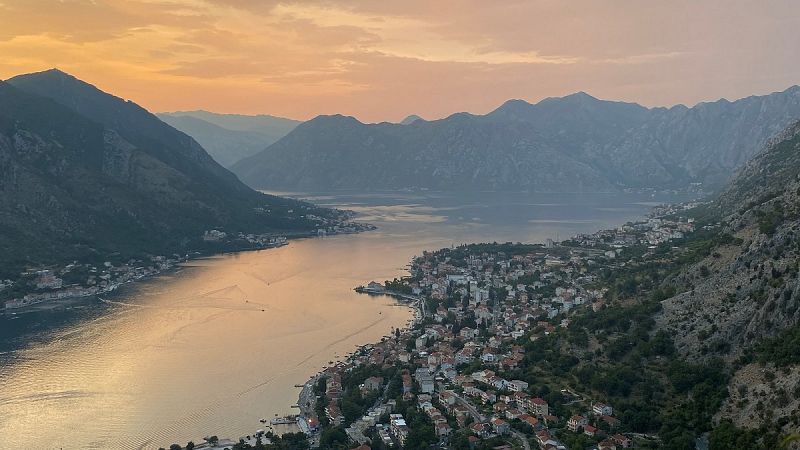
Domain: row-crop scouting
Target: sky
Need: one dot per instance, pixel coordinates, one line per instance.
(385, 59)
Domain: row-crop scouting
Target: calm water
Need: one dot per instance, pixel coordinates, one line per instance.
(221, 343)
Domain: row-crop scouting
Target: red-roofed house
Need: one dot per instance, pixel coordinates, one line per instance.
(539, 406)
(608, 444)
(480, 429)
(530, 420)
(622, 440)
(500, 426)
(575, 423)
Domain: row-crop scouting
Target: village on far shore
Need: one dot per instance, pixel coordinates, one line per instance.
(46, 286)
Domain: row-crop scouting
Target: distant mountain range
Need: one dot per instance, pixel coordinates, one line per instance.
(575, 143)
(86, 174)
(411, 119)
(230, 137)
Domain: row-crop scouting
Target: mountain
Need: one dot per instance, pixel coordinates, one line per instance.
(411, 119)
(86, 174)
(572, 143)
(271, 126)
(740, 299)
(337, 152)
(230, 137)
(749, 286)
(767, 177)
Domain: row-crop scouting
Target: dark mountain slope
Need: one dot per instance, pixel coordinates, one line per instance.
(131, 121)
(73, 187)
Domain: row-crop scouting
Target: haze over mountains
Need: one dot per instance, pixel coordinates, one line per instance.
(85, 173)
(575, 143)
(229, 138)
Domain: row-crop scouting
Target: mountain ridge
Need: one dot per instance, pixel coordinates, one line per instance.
(547, 146)
(228, 138)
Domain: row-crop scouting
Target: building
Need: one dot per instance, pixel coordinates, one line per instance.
(481, 430)
(425, 380)
(539, 406)
(399, 427)
(214, 235)
(45, 279)
(622, 440)
(372, 383)
(531, 421)
(601, 409)
(334, 414)
(576, 423)
(443, 430)
(517, 385)
(500, 426)
(607, 444)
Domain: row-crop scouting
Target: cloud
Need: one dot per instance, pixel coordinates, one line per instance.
(385, 59)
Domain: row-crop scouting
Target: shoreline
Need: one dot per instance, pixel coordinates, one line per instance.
(306, 402)
(98, 302)
(173, 266)
(306, 397)
(360, 348)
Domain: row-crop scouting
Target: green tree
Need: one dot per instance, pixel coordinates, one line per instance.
(333, 438)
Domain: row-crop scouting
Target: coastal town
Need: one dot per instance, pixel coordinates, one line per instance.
(47, 286)
(77, 280)
(459, 375)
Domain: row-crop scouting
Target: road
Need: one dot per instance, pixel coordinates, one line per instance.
(523, 438)
(307, 401)
(473, 411)
(478, 417)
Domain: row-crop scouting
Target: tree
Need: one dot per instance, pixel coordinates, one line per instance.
(190, 445)
(790, 439)
(333, 438)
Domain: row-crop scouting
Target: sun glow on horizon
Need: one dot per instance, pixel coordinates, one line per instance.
(385, 60)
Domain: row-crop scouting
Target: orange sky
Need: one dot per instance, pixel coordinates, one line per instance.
(384, 59)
